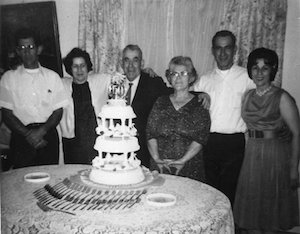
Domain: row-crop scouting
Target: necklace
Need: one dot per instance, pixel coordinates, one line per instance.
(262, 93)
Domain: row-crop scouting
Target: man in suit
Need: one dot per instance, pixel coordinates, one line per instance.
(144, 92)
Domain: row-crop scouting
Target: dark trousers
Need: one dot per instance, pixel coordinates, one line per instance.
(223, 157)
(76, 152)
(24, 155)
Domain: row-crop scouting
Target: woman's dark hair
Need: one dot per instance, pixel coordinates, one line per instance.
(184, 61)
(269, 56)
(77, 53)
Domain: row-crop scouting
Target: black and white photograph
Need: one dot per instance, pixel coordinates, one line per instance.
(150, 116)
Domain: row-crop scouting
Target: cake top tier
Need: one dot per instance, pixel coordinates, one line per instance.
(116, 88)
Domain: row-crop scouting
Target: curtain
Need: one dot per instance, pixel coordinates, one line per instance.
(101, 29)
(257, 23)
(162, 28)
(167, 28)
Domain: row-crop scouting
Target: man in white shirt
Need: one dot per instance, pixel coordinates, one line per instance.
(32, 98)
(226, 84)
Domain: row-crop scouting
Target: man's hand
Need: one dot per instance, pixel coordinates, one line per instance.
(285, 134)
(204, 98)
(35, 138)
(150, 71)
(294, 175)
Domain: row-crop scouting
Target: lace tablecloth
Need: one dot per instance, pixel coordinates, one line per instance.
(199, 208)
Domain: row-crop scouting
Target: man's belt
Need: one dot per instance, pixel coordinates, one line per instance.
(262, 134)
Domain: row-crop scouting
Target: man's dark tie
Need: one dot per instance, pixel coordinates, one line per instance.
(128, 94)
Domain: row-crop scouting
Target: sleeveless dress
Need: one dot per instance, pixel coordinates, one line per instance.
(81, 148)
(175, 130)
(264, 198)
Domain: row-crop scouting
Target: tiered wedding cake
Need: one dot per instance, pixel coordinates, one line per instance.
(116, 163)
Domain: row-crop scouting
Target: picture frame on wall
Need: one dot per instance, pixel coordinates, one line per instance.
(41, 17)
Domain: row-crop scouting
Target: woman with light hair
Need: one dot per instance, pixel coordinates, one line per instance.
(178, 125)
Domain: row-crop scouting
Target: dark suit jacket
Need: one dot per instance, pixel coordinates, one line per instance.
(148, 90)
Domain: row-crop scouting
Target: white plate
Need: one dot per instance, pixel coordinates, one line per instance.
(37, 177)
(161, 199)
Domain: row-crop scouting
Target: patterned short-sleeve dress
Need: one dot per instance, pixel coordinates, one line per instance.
(175, 130)
(264, 198)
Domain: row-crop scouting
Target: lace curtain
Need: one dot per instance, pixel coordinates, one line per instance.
(166, 28)
(101, 29)
(162, 28)
(257, 23)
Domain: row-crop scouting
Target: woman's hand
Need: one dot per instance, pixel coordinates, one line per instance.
(178, 164)
(162, 164)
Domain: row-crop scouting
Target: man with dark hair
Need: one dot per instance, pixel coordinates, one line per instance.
(225, 84)
(32, 98)
(144, 90)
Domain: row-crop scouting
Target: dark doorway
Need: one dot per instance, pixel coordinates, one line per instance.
(41, 16)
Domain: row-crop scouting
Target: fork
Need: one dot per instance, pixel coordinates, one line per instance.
(137, 199)
(46, 208)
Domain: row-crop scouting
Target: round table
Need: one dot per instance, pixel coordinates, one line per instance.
(199, 208)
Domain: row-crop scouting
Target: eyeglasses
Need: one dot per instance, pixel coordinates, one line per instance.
(173, 74)
(24, 47)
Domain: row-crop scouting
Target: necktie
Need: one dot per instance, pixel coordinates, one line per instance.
(128, 94)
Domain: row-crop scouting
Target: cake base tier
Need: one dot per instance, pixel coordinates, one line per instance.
(118, 177)
(151, 179)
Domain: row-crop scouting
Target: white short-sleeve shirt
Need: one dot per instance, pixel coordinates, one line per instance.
(226, 89)
(32, 95)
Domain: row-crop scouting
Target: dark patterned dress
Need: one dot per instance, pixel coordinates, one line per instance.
(175, 130)
(81, 148)
(264, 198)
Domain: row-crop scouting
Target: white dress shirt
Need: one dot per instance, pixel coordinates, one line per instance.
(226, 89)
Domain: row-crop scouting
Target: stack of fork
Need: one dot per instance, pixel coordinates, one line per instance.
(69, 197)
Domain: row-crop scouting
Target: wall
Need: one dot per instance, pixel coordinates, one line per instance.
(291, 62)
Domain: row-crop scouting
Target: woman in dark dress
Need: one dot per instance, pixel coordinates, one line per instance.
(178, 125)
(266, 200)
(88, 93)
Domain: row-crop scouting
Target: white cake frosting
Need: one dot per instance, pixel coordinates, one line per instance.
(116, 163)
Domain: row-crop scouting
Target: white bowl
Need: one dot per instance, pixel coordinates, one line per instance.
(161, 199)
(37, 177)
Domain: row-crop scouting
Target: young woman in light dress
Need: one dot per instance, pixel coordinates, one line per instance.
(266, 199)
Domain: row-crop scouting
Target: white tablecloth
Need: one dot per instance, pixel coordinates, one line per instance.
(199, 208)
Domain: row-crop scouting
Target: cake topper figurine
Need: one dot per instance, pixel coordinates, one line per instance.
(116, 88)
